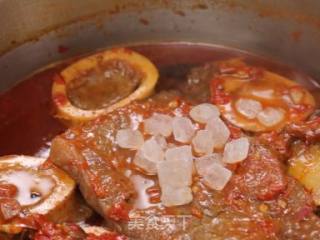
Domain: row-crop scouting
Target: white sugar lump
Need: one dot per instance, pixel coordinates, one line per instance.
(181, 153)
(183, 129)
(248, 107)
(171, 196)
(142, 162)
(149, 155)
(236, 150)
(161, 141)
(217, 176)
(220, 132)
(203, 112)
(271, 116)
(152, 150)
(175, 173)
(128, 138)
(203, 163)
(158, 124)
(203, 142)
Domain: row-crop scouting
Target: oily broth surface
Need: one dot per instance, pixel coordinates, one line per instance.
(27, 118)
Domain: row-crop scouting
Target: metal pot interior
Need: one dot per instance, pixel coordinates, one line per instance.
(37, 33)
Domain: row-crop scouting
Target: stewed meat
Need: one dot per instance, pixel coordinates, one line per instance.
(259, 201)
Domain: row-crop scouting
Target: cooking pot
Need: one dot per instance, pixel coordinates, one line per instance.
(35, 33)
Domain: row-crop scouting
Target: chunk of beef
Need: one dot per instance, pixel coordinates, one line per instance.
(103, 187)
(103, 171)
(260, 177)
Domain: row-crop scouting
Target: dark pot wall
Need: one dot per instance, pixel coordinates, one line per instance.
(35, 33)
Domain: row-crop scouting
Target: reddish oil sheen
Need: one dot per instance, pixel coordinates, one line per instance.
(26, 117)
(27, 122)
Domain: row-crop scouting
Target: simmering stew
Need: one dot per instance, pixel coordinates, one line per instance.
(161, 141)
